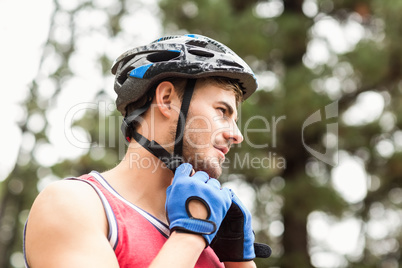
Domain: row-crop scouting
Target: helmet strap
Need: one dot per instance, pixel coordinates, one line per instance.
(126, 126)
(172, 161)
(185, 105)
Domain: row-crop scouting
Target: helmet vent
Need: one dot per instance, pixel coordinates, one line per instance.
(163, 56)
(197, 43)
(215, 46)
(166, 38)
(202, 53)
(230, 63)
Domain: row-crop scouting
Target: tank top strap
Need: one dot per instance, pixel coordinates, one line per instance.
(110, 216)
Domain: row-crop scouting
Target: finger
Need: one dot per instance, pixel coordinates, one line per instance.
(184, 169)
(228, 192)
(201, 175)
(168, 190)
(232, 194)
(214, 182)
(236, 199)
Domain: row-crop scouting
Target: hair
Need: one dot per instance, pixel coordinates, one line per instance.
(224, 83)
(179, 84)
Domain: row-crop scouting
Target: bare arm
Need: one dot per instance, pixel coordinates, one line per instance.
(247, 264)
(180, 250)
(67, 227)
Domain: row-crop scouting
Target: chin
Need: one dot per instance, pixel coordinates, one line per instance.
(202, 161)
(214, 170)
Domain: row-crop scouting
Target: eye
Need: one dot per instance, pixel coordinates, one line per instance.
(223, 110)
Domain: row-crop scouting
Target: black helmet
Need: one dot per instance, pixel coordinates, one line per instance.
(187, 56)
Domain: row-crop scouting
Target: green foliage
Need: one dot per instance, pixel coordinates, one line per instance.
(288, 183)
(363, 57)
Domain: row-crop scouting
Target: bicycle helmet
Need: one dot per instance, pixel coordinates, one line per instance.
(187, 56)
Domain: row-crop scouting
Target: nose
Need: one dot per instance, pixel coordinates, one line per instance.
(233, 135)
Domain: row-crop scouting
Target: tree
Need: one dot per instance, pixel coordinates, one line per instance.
(309, 56)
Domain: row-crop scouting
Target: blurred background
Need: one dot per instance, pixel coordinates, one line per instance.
(323, 129)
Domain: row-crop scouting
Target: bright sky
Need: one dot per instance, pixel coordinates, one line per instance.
(23, 30)
(23, 27)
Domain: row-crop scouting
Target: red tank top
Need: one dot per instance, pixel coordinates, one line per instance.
(135, 235)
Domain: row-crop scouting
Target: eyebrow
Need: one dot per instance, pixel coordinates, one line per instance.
(229, 108)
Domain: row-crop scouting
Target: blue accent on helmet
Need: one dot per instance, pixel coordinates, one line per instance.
(175, 50)
(192, 35)
(140, 71)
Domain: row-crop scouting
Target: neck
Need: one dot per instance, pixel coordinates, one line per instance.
(142, 179)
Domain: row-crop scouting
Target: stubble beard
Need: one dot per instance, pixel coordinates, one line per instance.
(197, 156)
(200, 161)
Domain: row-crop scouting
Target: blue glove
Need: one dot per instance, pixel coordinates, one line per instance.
(235, 238)
(199, 187)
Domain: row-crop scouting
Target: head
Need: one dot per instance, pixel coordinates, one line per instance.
(189, 63)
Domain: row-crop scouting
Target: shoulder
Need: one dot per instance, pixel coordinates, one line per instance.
(65, 197)
(60, 210)
(63, 213)
(67, 201)
(68, 225)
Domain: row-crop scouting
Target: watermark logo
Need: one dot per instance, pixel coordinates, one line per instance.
(330, 156)
(256, 126)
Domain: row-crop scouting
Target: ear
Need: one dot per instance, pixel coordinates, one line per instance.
(166, 98)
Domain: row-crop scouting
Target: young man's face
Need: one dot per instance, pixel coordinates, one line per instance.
(211, 128)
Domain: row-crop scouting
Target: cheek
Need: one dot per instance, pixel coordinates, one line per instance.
(198, 128)
(197, 137)
(200, 122)
(220, 126)
(197, 140)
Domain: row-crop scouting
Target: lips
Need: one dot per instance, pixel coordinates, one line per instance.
(223, 149)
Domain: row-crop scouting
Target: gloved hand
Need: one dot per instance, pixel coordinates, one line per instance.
(199, 187)
(235, 238)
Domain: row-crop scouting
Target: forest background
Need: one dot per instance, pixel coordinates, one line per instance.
(319, 166)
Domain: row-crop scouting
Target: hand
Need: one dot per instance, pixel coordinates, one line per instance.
(234, 241)
(200, 187)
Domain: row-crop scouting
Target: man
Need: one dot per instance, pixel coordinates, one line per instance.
(160, 206)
